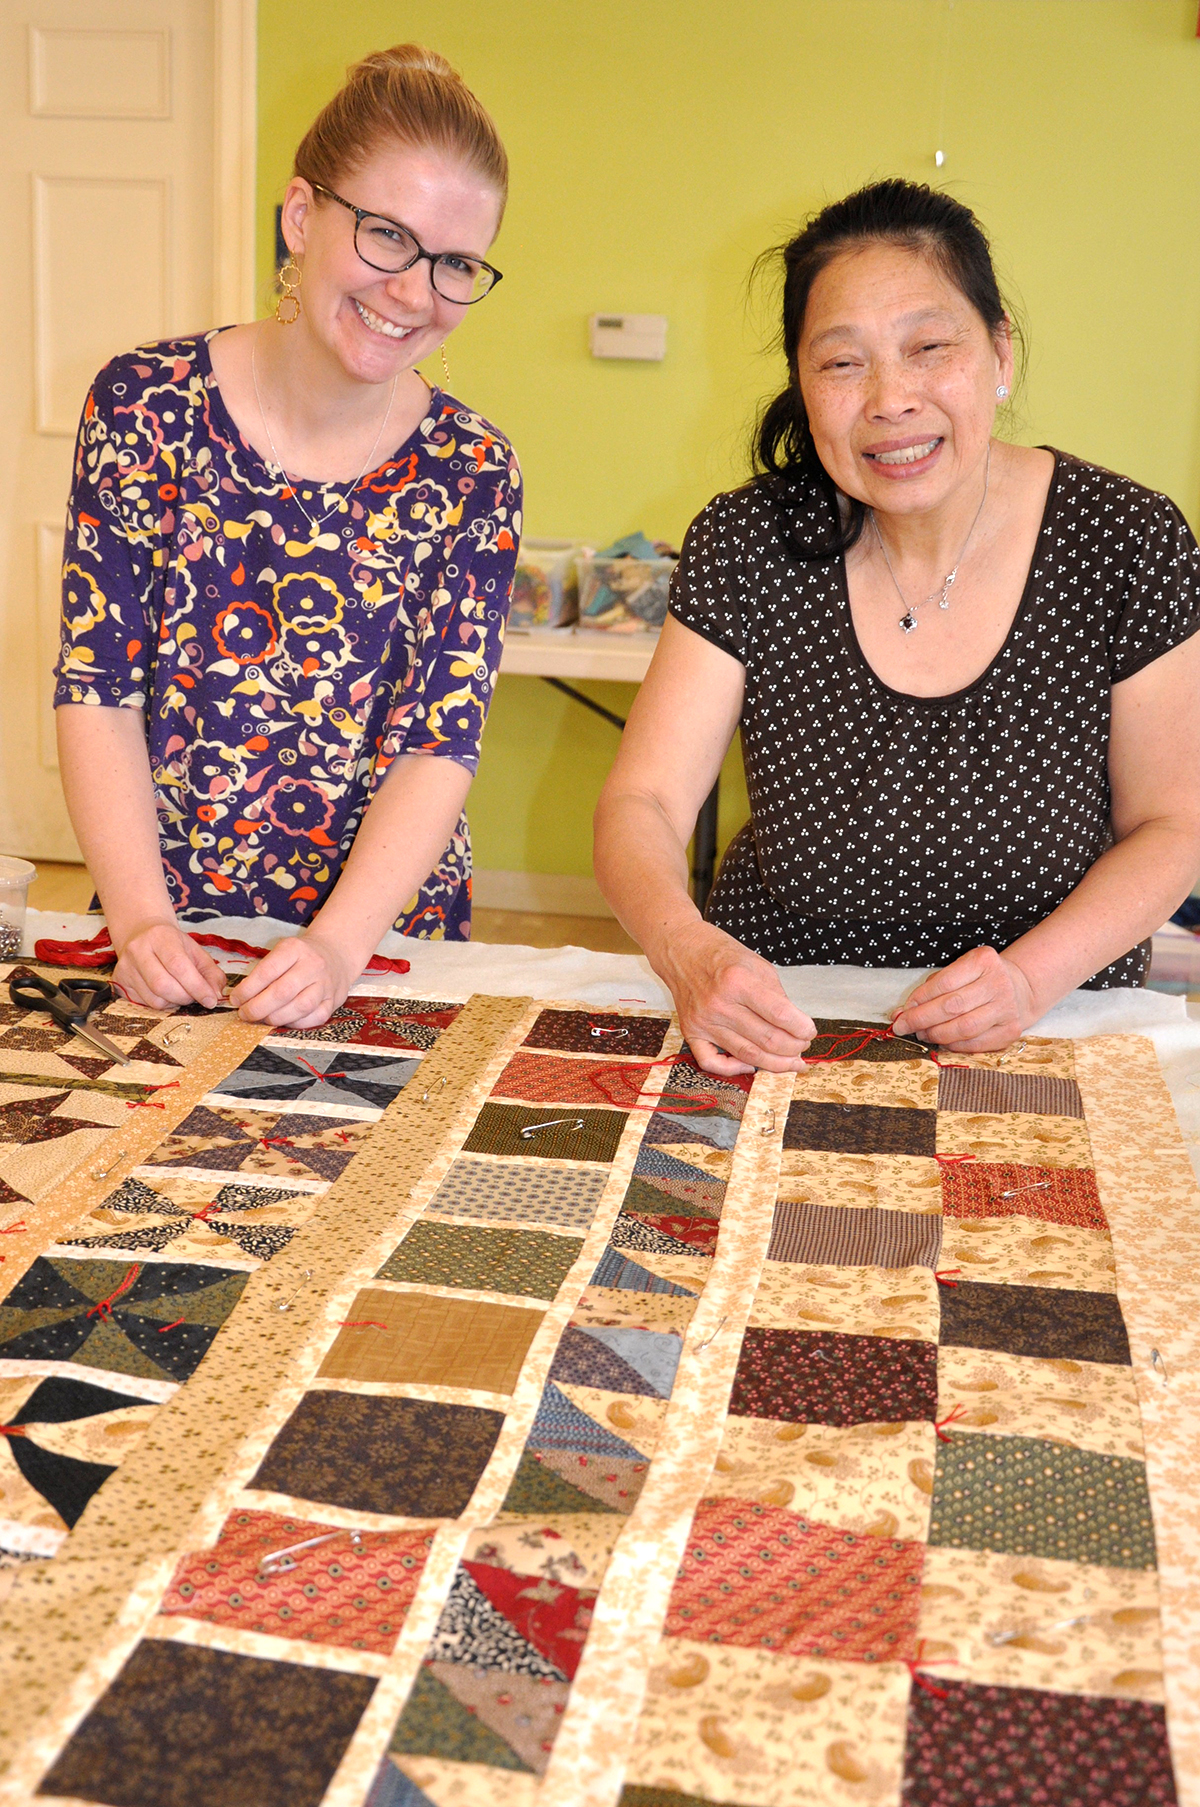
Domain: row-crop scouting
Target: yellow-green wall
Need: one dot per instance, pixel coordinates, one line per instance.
(656, 149)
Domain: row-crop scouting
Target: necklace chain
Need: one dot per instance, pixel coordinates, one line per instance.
(908, 621)
(318, 521)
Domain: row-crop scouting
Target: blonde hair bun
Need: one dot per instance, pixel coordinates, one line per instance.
(406, 95)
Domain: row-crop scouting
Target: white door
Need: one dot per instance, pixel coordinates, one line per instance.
(119, 149)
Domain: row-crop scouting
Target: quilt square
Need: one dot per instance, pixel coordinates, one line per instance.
(1093, 1405)
(1065, 1195)
(348, 1589)
(997, 1094)
(545, 1079)
(618, 1359)
(323, 1075)
(64, 1437)
(382, 1023)
(552, 1482)
(194, 1217)
(1034, 1320)
(1022, 1251)
(766, 1579)
(410, 1458)
(489, 1718)
(882, 1302)
(183, 1724)
(496, 1191)
(1030, 1497)
(842, 1036)
(576, 1134)
(533, 1263)
(833, 1236)
(664, 1182)
(1018, 1136)
(873, 1479)
(220, 1140)
(823, 1377)
(429, 1341)
(911, 1084)
(860, 1129)
(493, 1619)
(598, 1032)
(615, 1269)
(972, 1746)
(895, 1182)
(155, 1320)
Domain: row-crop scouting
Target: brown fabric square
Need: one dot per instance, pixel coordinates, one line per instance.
(182, 1725)
(544, 1079)
(861, 1236)
(841, 1036)
(408, 1457)
(860, 1129)
(983, 1089)
(531, 1262)
(582, 1135)
(826, 1377)
(432, 1342)
(1035, 1320)
(598, 1032)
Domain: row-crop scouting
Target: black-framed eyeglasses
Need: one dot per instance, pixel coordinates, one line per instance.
(388, 246)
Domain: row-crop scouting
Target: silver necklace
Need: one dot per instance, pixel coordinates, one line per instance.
(318, 521)
(908, 621)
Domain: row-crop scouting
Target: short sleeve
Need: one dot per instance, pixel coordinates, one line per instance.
(445, 700)
(1160, 606)
(106, 631)
(701, 593)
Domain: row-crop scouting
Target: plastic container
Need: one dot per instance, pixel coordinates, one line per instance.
(15, 879)
(624, 595)
(545, 592)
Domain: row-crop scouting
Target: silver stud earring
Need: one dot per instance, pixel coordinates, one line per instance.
(1001, 391)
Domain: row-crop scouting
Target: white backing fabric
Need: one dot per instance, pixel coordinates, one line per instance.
(453, 970)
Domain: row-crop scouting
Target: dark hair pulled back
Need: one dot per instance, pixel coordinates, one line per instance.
(907, 214)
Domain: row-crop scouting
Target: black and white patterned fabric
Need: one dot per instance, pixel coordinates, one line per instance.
(894, 830)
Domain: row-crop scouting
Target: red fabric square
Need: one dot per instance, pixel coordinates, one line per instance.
(764, 1579)
(1065, 1195)
(351, 1596)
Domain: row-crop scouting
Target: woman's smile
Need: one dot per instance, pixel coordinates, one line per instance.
(376, 323)
(904, 458)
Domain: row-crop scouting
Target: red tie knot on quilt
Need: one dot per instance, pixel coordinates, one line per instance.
(206, 1211)
(862, 1038)
(316, 1072)
(144, 1104)
(947, 1162)
(945, 1275)
(682, 1104)
(15, 1229)
(99, 951)
(913, 1665)
(952, 1417)
(104, 1309)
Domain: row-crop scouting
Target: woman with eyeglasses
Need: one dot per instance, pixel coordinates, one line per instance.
(287, 572)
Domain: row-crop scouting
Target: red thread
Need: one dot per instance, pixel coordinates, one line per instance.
(165, 1086)
(316, 1073)
(277, 1142)
(867, 1034)
(143, 1104)
(361, 1324)
(13, 1430)
(960, 1411)
(942, 1275)
(682, 1104)
(948, 1161)
(912, 1664)
(204, 1215)
(175, 1326)
(15, 1229)
(99, 951)
(105, 1306)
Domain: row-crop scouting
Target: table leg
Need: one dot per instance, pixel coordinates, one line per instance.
(704, 848)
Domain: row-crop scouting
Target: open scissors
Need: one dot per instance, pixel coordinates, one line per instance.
(70, 1004)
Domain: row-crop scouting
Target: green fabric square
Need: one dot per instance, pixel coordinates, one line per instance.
(1025, 1497)
(532, 1263)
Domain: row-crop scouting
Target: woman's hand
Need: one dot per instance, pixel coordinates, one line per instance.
(733, 1011)
(300, 983)
(980, 1002)
(159, 965)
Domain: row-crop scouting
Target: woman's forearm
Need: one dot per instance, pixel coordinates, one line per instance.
(406, 827)
(1129, 892)
(110, 797)
(641, 866)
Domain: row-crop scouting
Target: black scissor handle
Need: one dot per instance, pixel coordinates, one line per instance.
(89, 994)
(67, 1004)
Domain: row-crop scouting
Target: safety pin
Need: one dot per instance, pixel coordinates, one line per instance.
(102, 1173)
(425, 1094)
(599, 1033)
(1020, 1047)
(1033, 1186)
(531, 1129)
(279, 1562)
(996, 1638)
(712, 1333)
(177, 1035)
(769, 1128)
(288, 1303)
(1156, 1361)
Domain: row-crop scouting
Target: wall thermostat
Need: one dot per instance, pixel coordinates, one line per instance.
(629, 335)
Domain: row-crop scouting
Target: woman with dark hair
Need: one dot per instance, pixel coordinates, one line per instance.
(965, 673)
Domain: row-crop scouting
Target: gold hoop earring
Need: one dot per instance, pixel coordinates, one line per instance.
(289, 297)
(445, 365)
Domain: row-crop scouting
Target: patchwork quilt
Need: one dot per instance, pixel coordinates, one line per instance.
(463, 1405)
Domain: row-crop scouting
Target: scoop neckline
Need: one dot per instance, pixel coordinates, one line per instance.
(1023, 608)
(213, 389)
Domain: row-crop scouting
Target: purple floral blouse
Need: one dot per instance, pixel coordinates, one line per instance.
(281, 671)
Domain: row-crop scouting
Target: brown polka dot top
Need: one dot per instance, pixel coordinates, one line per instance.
(897, 830)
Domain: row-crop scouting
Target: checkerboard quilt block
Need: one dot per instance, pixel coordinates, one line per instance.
(543, 1420)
